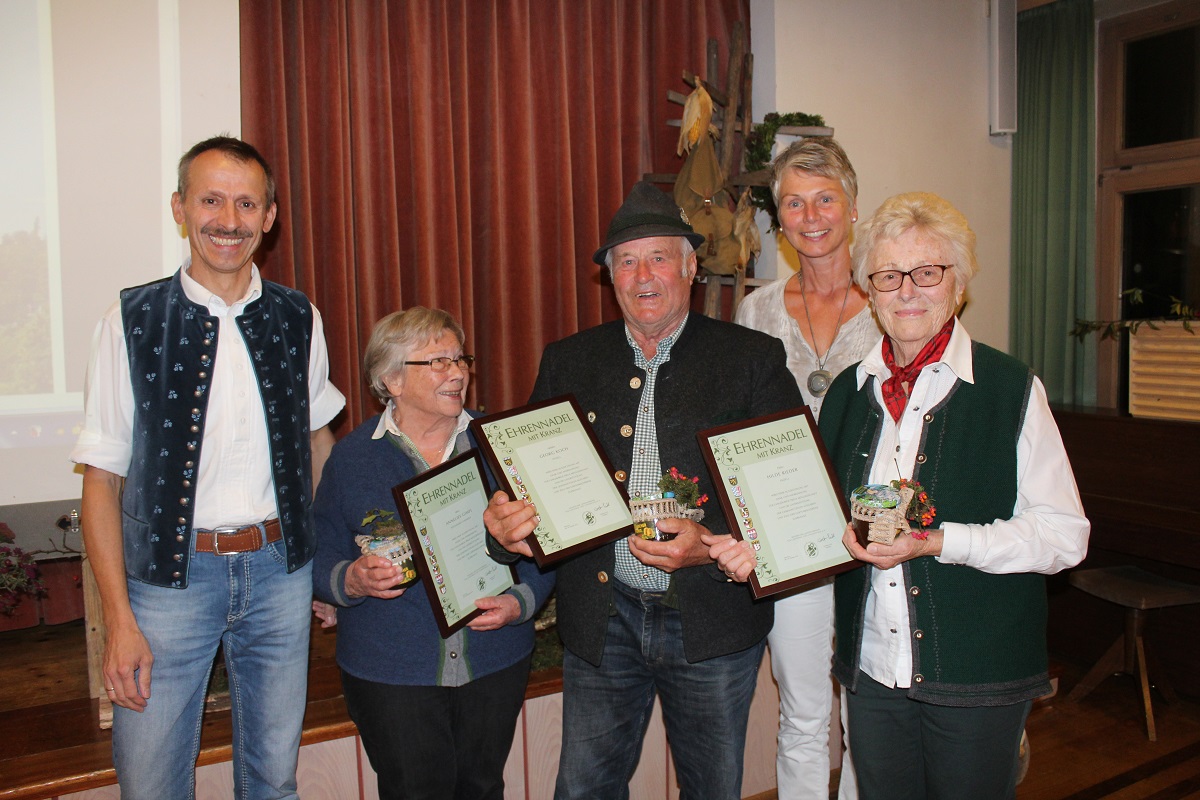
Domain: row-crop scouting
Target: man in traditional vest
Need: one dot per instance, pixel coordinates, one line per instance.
(641, 619)
(206, 425)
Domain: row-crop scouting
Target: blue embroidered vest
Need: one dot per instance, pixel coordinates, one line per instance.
(172, 346)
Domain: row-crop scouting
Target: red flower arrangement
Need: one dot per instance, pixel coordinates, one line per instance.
(685, 489)
(921, 509)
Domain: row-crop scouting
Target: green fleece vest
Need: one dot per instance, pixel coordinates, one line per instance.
(977, 639)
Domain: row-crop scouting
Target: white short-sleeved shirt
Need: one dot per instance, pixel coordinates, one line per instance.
(233, 484)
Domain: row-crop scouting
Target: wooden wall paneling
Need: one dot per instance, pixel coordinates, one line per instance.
(329, 770)
(541, 731)
(214, 781)
(1128, 471)
(26, 614)
(758, 772)
(514, 768)
(655, 774)
(339, 769)
(835, 729)
(103, 793)
(63, 600)
(368, 779)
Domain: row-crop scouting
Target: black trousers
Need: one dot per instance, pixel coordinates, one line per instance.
(904, 749)
(438, 742)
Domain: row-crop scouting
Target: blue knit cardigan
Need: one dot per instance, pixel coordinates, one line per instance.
(397, 641)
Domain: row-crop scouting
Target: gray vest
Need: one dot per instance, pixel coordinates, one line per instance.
(172, 346)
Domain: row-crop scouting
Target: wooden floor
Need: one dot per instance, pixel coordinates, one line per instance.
(1097, 748)
(42, 665)
(1079, 751)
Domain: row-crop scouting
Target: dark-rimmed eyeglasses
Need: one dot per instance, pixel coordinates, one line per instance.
(925, 276)
(443, 363)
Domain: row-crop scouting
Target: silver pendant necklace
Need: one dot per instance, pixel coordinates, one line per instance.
(820, 378)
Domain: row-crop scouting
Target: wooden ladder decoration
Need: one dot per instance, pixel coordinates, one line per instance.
(733, 114)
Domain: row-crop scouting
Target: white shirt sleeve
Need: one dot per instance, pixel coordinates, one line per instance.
(106, 440)
(324, 399)
(1048, 531)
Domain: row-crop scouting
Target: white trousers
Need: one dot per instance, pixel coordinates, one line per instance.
(801, 645)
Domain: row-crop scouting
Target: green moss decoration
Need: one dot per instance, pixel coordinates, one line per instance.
(758, 151)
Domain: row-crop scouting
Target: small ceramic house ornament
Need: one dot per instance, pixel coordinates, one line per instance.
(680, 499)
(879, 512)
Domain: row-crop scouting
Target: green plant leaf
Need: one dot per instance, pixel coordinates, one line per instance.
(758, 146)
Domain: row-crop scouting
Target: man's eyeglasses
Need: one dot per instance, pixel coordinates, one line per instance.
(889, 280)
(442, 364)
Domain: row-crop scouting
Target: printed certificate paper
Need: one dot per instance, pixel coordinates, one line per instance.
(548, 455)
(443, 512)
(779, 492)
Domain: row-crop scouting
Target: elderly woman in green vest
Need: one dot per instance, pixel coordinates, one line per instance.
(941, 638)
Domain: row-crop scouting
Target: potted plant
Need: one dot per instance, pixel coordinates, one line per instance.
(387, 538)
(1163, 352)
(883, 511)
(760, 145)
(1181, 315)
(679, 497)
(20, 583)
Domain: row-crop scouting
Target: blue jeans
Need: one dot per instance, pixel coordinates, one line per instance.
(606, 709)
(261, 614)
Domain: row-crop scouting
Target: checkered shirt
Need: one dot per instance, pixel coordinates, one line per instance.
(645, 469)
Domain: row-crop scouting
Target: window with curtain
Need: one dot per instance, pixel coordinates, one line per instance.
(464, 155)
(1149, 165)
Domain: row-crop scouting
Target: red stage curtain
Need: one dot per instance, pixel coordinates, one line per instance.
(462, 154)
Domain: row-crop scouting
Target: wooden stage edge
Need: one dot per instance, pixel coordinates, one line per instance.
(58, 748)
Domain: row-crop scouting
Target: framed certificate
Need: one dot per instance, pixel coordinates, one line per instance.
(443, 514)
(547, 454)
(778, 491)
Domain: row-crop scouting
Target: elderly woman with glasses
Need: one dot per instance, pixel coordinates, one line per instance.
(941, 638)
(436, 715)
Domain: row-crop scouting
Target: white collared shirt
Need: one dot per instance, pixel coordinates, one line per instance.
(387, 424)
(1047, 532)
(233, 483)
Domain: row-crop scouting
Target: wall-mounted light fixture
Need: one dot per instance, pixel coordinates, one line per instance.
(1002, 67)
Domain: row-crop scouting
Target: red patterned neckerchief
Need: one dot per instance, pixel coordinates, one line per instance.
(894, 394)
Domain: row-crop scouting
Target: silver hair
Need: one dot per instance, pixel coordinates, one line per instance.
(685, 250)
(395, 336)
(924, 212)
(816, 155)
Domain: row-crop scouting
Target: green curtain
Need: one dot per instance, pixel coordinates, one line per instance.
(1054, 198)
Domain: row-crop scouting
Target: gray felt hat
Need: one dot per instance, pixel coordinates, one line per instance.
(646, 212)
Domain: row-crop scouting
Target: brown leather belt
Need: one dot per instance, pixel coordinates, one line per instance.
(246, 539)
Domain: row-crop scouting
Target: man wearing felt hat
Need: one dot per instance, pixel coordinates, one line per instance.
(644, 618)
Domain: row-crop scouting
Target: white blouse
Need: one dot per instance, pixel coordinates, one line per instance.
(1047, 532)
(764, 310)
